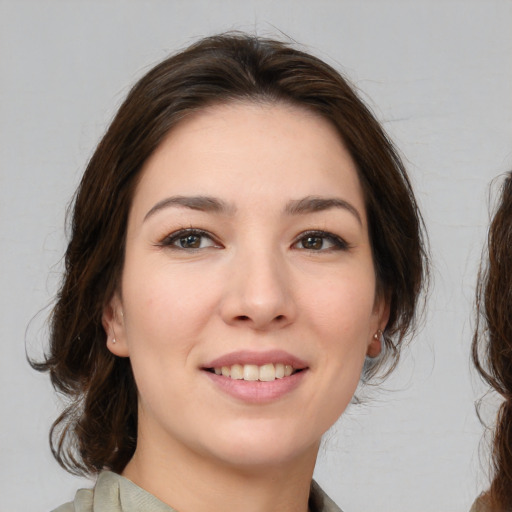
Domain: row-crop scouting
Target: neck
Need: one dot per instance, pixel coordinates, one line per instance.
(191, 482)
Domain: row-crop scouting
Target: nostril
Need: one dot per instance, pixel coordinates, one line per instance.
(261, 321)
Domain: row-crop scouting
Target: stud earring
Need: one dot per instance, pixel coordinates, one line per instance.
(375, 347)
(113, 340)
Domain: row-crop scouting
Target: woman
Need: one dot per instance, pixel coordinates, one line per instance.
(492, 347)
(244, 240)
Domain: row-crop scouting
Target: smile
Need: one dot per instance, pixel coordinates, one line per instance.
(252, 372)
(257, 377)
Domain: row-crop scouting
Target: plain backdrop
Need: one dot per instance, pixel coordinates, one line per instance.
(438, 74)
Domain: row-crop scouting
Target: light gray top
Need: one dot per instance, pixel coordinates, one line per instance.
(114, 493)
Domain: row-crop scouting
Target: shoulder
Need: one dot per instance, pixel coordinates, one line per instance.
(319, 501)
(114, 493)
(104, 494)
(83, 502)
(67, 507)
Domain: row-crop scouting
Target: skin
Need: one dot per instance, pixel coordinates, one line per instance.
(258, 280)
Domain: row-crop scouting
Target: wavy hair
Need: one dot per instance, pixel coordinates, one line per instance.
(492, 342)
(98, 428)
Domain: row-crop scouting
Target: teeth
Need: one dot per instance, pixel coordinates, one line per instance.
(237, 372)
(252, 372)
(267, 372)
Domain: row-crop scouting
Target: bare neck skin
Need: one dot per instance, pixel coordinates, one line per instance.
(191, 482)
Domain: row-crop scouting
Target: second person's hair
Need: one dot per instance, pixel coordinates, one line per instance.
(492, 342)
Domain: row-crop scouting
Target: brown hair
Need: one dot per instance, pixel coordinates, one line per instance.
(492, 342)
(98, 429)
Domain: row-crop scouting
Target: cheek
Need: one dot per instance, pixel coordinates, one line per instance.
(343, 322)
(342, 305)
(163, 302)
(164, 313)
(341, 315)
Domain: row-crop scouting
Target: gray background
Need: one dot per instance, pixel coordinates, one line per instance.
(438, 74)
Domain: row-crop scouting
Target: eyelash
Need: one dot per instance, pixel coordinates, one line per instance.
(338, 244)
(171, 240)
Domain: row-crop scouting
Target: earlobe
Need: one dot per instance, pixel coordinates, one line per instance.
(381, 312)
(113, 323)
(375, 346)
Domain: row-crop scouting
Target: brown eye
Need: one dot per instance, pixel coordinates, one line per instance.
(189, 239)
(320, 241)
(189, 242)
(314, 243)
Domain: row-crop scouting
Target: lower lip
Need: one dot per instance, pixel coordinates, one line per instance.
(257, 392)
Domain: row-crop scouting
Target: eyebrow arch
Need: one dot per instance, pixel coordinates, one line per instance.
(201, 203)
(312, 204)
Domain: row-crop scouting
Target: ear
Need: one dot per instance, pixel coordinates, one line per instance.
(113, 323)
(380, 317)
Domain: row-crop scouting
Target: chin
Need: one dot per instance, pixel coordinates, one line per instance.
(262, 446)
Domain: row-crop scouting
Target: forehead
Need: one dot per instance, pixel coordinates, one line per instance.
(249, 151)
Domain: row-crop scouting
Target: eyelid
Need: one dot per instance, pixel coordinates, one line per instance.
(339, 244)
(168, 240)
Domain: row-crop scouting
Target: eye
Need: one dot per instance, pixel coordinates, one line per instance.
(320, 241)
(189, 239)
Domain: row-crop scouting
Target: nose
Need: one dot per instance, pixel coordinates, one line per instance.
(259, 292)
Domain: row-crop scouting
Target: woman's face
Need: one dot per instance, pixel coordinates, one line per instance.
(247, 258)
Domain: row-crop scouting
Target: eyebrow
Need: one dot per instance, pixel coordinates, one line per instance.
(313, 204)
(309, 204)
(200, 203)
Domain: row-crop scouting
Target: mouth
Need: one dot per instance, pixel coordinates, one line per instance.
(267, 372)
(257, 377)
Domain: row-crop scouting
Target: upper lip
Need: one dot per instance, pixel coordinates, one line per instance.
(258, 358)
